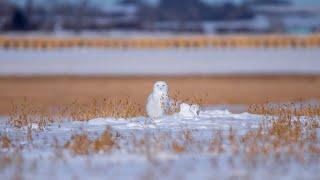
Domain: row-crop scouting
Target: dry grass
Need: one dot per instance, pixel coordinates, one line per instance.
(176, 99)
(198, 41)
(216, 144)
(105, 107)
(285, 136)
(293, 109)
(5, 142)
(177, 148)
(49, 105)
(49, 92)
(105, 142)
(28, 115)
(80, 144)
(290, 133)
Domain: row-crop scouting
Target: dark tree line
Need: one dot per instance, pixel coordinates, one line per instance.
(167, 10)
(194, 10)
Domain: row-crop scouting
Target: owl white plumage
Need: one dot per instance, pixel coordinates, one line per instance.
(158, 101)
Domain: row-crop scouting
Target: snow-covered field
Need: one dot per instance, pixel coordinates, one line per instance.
(43, 158)
(216, 144)
(159, 61)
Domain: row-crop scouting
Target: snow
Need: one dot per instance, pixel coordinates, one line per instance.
(40, 159)
(185, 110)
(159, 61)
(212, 119)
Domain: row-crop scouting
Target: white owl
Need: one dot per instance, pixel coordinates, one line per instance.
(158, 101)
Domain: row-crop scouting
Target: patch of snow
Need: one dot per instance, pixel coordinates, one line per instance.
(125, 164)
(191, 111)
(159, 61)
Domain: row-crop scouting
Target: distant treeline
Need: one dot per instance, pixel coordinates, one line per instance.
(83, 15)
(194, 10)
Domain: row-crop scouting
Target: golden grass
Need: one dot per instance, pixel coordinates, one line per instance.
(105, 107)
(5, 142)
(289, 131)
(216, 145)
(296, 109)
(177, 148)
(235, 41)
(27, 115)
(51, 92)
(105, 142)
(289, 134)
(80, 144)
(284, 136)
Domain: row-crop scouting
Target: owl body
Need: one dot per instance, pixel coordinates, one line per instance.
(158, 100)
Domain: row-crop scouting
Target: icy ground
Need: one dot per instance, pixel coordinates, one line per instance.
(208, 61)
(42, 161)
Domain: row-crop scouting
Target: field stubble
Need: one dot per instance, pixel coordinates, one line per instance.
(48, 92)
(288, 132)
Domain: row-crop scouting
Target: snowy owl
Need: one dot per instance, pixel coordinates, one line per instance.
(158, 100)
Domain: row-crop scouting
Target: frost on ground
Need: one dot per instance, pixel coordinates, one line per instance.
(204, 61)
(172, 147)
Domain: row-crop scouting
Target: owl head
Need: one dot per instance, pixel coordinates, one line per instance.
(160, 87)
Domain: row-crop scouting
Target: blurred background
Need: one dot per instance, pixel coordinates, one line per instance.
(228, 52)
(175, 16)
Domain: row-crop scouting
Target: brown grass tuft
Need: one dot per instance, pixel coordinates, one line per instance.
(288, 109)
(290, 133)
(178, 99)
(5, 142)
(177, 148)
(27, 114)
(105, 142)
(79, 144)
(216, 144)
(113, 107)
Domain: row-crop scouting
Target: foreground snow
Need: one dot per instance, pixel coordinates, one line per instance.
(42, 161)
(207, 120)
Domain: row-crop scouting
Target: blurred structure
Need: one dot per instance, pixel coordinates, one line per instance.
(247, 16)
